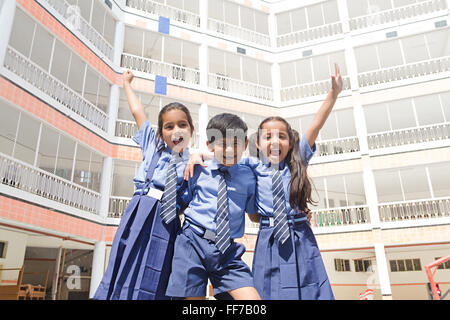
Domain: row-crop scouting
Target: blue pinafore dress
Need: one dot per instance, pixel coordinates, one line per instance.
(141, 254)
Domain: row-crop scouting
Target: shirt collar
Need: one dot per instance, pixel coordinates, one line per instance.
(216, 165)
(266, 162)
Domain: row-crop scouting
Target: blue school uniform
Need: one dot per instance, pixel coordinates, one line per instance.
(141, 254)
(293, 270)
(196, 257)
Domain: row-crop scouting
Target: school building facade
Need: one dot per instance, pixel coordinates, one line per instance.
(382, 165)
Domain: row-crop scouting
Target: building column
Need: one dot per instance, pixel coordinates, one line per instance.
(7, 13)
(370, 190)
(276, 83)
(118, 43)
(273, 32)
(383, 271)
(113, 109)
(98, 261)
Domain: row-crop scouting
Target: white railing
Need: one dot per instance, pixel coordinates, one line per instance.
(340, 216)
(117, 206)
(415, 209)
(125, 129)
(396, 14)
(20, 175)
(155, 67)
(407, 71)
(238, 32)
(165, 11)
(323, 31)
(400, 137)
(310, 89)
(337, 146)
(48, 84)
(240, 87)
(74, 21)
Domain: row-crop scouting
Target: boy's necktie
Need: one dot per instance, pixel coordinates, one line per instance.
(222, 223)
(281, 228)
(169, 201)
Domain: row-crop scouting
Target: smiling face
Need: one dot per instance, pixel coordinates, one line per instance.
(228, 151)
(274, 141)
(176, 131)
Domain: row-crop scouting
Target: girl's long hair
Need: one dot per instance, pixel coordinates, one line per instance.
(171, 106)
(300, 184)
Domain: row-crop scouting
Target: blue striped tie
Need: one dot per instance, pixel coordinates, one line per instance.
(281, 228)
(169, 200)
(222, 223)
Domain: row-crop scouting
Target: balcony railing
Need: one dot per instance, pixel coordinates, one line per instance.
(323, 31)
(337, 146)
(340, 216)
(45, 82)
(73, 19)
(127, 129)
(396, 14)
(310, 89)
(407, 71)
(117, 205)
(415, 209)
(238, 32)
(159, 9)
(409, 136)
(20, 175)
(155, 67)
(240, 87)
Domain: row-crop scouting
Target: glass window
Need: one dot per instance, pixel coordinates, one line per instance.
(261, 22)
(151, 107)
(402, 3)
(304, 71)
(82, 174)
(417, 266)
(366, 58)
(247, 18)
(265, 74)
(445, 101)
(318, 193)
(152, 46)
(415, 183)
(440, 177)
(298, 19)
(27, 136)
(335, 189)
(233, 65)
(377, 118)
(110, 29)
(249, 70)
(428, 109)
(216, 62)
(124, 112)
(98, 17)
(103, 94)
(284, 23)
(122, 181)
(388, 186)
(91, 86)
(390, 54)
(215, 10)
(22, 32)
(321, 68)
(393, 264)
(190, 55)
(60, 65)
(48, 146)
(172, 50)
(85, 9)
(192, 6)
(76, 74)
(8, 127)
(330, 11)
(231, 12)
(133, 41)
(329, 129)
(415, 48)
(315, 16)
(355, 189)
(65, 157)
(402, 114)
(42, 48)
(287, 74)
(357, 8)
(346, 123)
(96, 166)
(438, 43)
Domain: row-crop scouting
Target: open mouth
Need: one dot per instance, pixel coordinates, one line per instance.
(177, 141)
(275, 153)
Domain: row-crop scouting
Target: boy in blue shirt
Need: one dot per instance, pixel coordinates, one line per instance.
(218, 194)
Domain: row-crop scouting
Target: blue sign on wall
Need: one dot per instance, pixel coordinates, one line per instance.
(161, 85)
(164, 25)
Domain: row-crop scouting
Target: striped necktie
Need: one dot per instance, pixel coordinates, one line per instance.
(222, 223)
(169, 200)
(281, 228)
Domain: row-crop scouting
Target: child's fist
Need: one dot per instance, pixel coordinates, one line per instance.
(127, 77)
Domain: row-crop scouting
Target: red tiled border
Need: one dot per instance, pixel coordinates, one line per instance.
(20, 211)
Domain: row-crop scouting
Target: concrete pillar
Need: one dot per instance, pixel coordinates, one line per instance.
(118, 43)
(202, 123)
(98, 266)
(276, 83)
(272, 23)
(113, 109)
(7, 13)
(383, 271)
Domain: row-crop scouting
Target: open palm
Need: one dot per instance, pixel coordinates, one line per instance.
(336, 80)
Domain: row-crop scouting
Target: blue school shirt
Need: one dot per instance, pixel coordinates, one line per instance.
(202, 190)
(145, 137)
(263, 172)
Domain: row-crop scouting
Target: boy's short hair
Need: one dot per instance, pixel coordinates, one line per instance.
(226, 125)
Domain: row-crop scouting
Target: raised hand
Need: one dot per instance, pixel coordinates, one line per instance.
(127, 77)
(336, 81)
